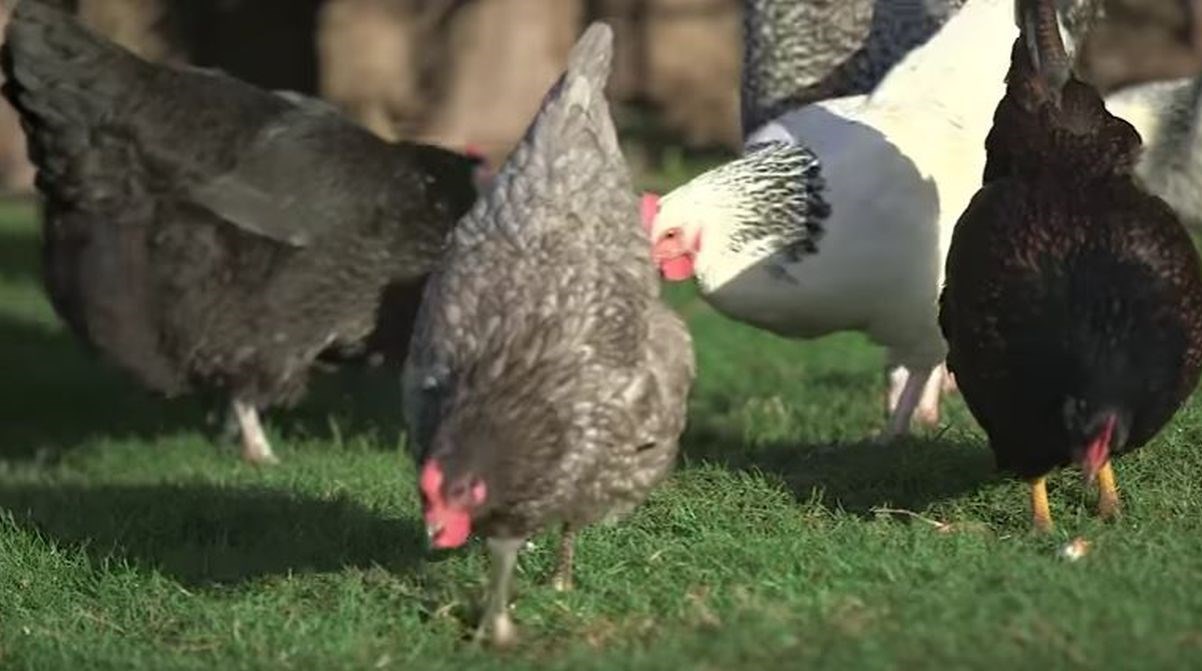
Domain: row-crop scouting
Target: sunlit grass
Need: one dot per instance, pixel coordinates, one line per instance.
(131, 539)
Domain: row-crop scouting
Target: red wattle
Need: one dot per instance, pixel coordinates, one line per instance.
(677, 268)
(456, 527)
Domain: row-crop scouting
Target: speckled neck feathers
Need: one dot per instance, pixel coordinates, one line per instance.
(772, 197)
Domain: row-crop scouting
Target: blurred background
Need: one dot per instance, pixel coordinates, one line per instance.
(452, 72)
(472, 72)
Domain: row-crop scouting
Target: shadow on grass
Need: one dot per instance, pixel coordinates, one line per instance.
(205, 535)
(57, 395)
(20, 254)
(911, 473)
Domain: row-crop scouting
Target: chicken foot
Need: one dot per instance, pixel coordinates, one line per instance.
(1041, 514)
(255, 447)
(495, 622)
(561, 580)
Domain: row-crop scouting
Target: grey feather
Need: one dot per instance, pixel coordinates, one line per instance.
(307, 200)
(801, 51)
(204, 233)
(543, 360)
(1171, 165)
(570, 143)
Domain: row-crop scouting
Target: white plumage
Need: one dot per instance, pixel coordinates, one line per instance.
(894, 171)
(898, 168)
(1167, 116)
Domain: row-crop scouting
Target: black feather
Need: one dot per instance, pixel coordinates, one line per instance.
(1071, 294)
(201, 232)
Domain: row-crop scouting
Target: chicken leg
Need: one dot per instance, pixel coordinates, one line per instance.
(503, 553)
(949, 380)
(1041, 514)
(255, 447)
(927, 412)
(561, 581)
(902, 406)
(1108, 493)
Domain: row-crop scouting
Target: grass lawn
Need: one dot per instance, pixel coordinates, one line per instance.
(130, 539)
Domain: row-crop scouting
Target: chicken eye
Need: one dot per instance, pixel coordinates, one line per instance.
(672, 234)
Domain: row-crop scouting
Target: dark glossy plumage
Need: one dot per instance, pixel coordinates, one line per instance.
(1071, 294)
(205, 233)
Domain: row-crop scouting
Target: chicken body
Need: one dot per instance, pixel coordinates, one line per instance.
(884, 178)
(205, 234)
(799, 52)
(546, 383)
(1073, 303)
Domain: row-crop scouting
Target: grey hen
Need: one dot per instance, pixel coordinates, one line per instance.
(203, 233)
(797, 52)
(546, 382)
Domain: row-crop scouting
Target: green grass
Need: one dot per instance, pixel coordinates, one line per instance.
(130, 539)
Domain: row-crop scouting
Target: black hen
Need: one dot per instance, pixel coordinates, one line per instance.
(546, 381)
(203, 233)
(1073, 303)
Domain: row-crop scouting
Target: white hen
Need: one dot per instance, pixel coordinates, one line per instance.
(839, 215)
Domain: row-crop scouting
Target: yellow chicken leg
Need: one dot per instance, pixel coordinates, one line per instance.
(1041, 515)
(1108, 493)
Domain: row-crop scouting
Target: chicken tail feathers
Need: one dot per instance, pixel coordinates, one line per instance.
(62, 79)
(56, 68)
(578, 99)
(571, 148)
(591, 57)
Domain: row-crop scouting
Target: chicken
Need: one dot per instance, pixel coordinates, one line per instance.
(883, 179)
(1073, 303)
(1167, 116)
(838, 214)
(207, 235)
(546, 383)
(804, 51)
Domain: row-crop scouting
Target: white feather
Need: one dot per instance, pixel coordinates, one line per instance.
(899, 166)
(1167, 117)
